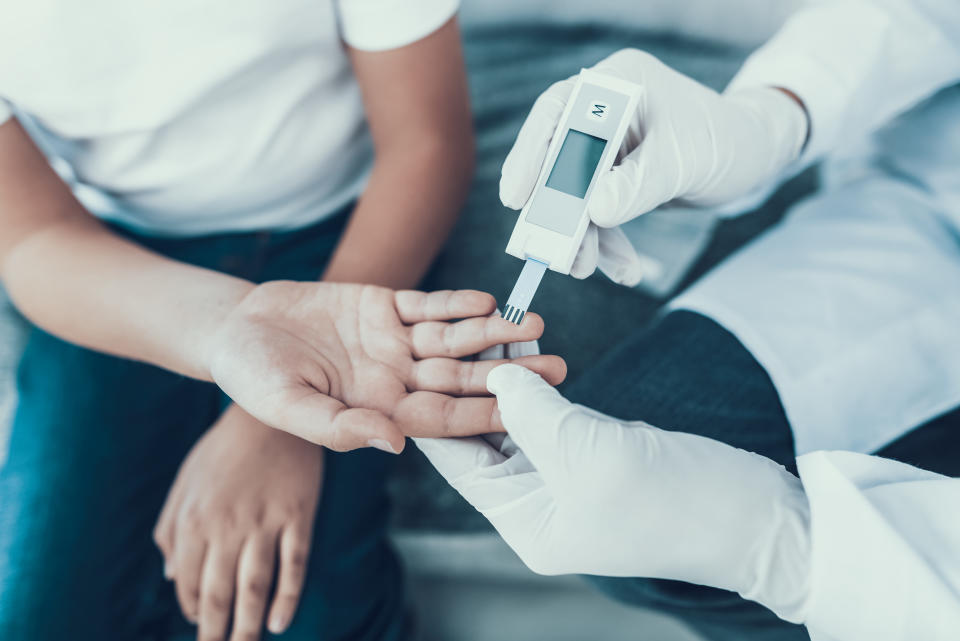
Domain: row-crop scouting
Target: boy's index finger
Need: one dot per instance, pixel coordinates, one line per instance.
(417, 307)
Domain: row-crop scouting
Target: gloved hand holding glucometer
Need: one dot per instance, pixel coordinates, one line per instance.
(674, 139)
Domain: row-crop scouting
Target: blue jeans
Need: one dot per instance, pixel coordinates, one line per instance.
(689, 374)
(96, 444)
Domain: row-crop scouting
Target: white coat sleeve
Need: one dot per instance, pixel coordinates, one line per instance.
(885, 550)
(858, 63)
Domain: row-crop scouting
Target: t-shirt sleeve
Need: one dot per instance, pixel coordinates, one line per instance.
(377, 25)
(6, 112)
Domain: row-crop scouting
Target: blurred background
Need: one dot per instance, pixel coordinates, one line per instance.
(466, 583)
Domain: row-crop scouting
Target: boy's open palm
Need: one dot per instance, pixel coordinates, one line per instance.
(348, 366)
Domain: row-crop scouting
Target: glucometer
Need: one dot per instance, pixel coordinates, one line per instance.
(552, 224)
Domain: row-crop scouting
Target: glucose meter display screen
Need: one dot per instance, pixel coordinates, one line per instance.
(578, 159)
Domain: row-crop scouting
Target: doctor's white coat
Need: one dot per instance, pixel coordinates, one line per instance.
(885, 550)
(852, 305)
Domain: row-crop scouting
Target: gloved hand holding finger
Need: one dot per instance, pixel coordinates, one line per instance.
(589, 494)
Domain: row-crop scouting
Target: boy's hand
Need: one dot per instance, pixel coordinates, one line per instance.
(223, 529)
(349, 366)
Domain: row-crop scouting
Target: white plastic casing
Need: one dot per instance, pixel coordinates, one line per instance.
(562, 218)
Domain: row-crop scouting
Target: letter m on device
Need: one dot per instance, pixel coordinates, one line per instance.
(598, 110)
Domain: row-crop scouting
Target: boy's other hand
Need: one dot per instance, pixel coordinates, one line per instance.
(223, 530)
(348, 366)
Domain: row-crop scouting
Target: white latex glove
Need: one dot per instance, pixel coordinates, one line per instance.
(610, 251)
(686, 141)
(588, 494)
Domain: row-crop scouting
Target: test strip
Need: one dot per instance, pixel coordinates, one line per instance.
(523, 292)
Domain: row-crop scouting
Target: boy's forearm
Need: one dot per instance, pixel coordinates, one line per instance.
(88, 286)
(418, 108)
(405, 215)
(70, 275)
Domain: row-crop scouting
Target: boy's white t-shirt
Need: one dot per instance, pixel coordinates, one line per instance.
(188, 117)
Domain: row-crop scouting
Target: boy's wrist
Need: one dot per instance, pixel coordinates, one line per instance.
(205, 343)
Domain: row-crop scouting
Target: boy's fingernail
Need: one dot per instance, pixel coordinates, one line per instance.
(277, 624)
(167, 571)
(381, 444)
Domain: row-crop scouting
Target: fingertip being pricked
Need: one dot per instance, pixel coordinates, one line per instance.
(532, 326)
